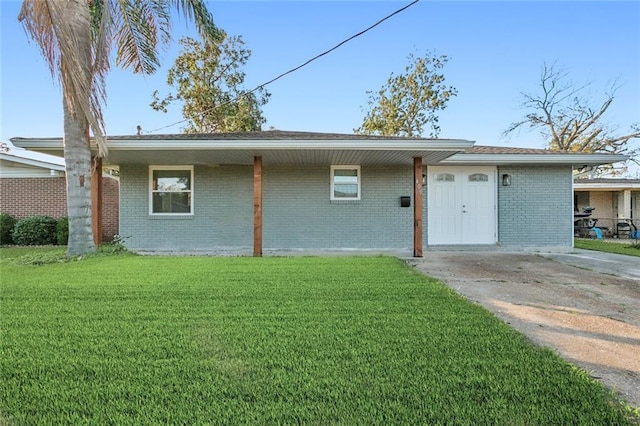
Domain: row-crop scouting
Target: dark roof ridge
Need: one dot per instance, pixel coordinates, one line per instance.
(257, 135)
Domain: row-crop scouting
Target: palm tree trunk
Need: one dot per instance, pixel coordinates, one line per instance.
(75, 72)
(77, 155)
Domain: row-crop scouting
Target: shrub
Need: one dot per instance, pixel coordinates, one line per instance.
(62, 231)
(7, 222)
(35, 230)
(114, 247)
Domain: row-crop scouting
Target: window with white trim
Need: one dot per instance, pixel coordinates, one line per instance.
(171, 190)
(345, 182)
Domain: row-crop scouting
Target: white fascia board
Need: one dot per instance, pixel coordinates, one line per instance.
(38, 144)
(606, 186)
(55, 163)
(506, 159)
(275, 145)
(260, 144)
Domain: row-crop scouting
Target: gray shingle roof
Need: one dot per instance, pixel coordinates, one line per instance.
(266, 135)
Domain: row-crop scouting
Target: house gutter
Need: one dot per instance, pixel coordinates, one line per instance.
(576, 160)
(55, 144)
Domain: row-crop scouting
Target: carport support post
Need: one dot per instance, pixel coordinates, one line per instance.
(257, 206)
(417, 207)
(96, 200)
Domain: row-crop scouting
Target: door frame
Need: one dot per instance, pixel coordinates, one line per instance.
(491, 170)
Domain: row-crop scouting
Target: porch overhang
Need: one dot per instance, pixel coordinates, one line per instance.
(286, 149)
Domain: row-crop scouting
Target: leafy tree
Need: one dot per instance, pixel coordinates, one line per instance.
(409, 102)
(570, 120)
(208, 79)
(76, 39)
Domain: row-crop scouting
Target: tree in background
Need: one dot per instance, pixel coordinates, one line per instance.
(409, 102)
(208, 79)
(76, 39)
(571, 121)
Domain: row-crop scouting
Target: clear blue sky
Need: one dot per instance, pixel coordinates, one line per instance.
(496, 48)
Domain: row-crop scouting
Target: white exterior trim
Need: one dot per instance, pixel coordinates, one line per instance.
(191, 191)
(604, 186)
(577, 160)
(359, 183)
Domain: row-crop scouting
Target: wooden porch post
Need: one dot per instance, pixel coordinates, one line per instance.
(417, 207)
(96, 200)
(257, 206)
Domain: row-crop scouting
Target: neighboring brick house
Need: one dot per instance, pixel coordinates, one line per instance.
(33, 184)
(278, 192)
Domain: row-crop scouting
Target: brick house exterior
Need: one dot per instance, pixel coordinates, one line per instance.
(278, 191)
(25, 197)
(33, 184)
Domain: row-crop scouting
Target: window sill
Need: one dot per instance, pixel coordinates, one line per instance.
(345, 202)
(171, 216)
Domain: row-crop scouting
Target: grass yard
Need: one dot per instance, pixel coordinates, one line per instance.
(608, 247)
(193, 340)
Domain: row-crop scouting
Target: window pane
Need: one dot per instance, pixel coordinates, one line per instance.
(171, 202)
(345, 183)
(445, 177)
(345, 191)
(478, 177)
(171, 180)
(345, 172)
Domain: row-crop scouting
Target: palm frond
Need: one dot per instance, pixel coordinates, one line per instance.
(62, 30)
(35, 18)
(137, 24)
(196, 11)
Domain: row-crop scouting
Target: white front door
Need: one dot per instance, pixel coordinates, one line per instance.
(461, 205)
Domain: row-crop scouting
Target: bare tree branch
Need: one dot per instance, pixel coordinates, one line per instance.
(569, 120)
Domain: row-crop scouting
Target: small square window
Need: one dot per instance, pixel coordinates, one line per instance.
(171, 190)
(345, 182)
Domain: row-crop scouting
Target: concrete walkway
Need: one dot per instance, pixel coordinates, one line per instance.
(605, 263)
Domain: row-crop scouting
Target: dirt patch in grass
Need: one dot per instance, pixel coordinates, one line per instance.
(591, 319)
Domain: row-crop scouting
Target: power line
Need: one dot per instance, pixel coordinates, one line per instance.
(402, 9)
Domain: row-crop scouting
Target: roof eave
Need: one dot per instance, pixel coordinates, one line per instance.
(33, 162)
(606, 186)
(575, 160)
(253, 144)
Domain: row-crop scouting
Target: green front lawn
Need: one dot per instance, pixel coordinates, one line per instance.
(608, 247)
(194, 340)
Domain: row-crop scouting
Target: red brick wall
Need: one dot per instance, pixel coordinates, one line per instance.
(110, 208)
(25, 197)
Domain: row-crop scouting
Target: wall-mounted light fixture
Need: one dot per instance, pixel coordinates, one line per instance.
(424, 179)
(506, 180)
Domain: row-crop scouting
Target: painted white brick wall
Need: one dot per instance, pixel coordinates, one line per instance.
(537, 209)
(297, 211)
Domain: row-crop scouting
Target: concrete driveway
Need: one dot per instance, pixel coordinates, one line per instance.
(590, 316)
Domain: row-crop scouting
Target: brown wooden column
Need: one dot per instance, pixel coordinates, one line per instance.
(96, 200)
(417, 207)
(257, 206)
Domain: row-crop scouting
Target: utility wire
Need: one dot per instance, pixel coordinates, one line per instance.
(299, 66)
